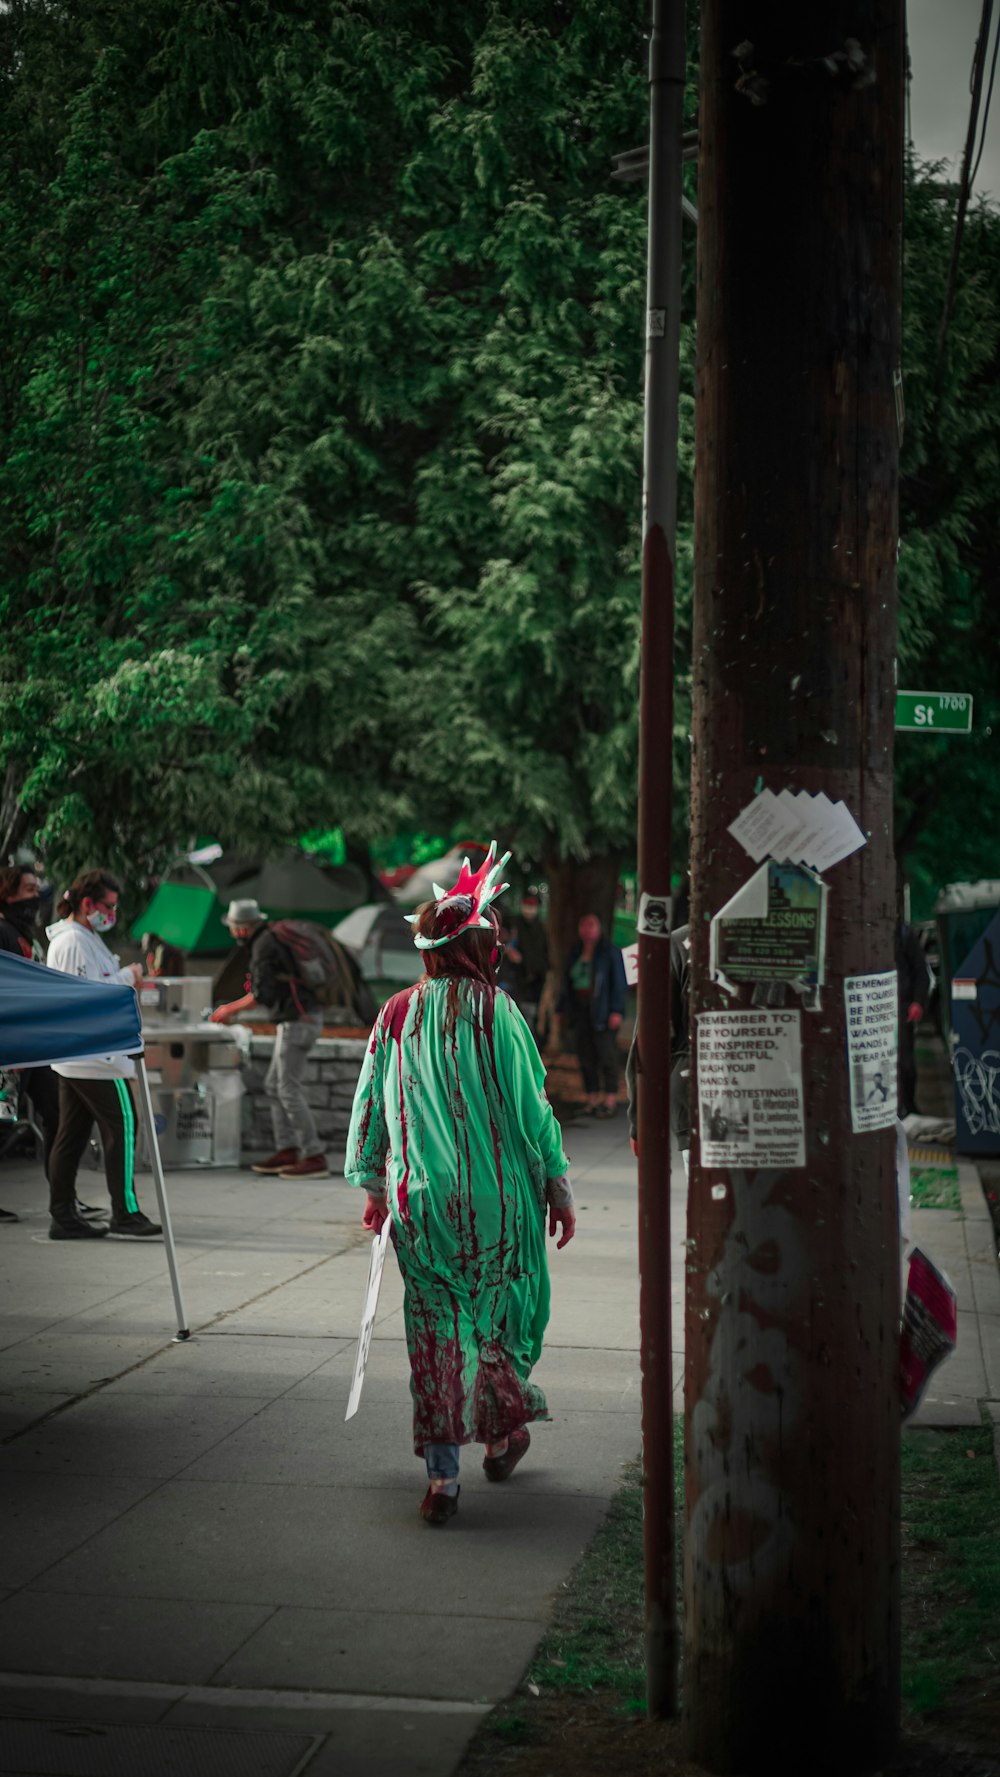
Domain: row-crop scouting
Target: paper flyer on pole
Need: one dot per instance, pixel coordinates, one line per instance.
(872, 1039)
(773, 929)
(748, 1071)
(376, 1266)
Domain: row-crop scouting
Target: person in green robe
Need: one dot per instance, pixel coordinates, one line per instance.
(453, 1136)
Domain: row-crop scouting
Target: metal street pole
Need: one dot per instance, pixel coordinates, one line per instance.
(663, 294)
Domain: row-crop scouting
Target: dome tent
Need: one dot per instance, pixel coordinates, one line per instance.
(188, 906)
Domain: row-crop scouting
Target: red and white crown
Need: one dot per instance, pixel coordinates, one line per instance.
(481, 887)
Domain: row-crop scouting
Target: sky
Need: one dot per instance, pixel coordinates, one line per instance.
(942, 37)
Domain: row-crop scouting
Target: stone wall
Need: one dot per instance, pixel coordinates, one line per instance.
(331, 1075)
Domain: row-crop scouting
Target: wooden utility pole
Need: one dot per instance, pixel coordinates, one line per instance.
(792, 1320)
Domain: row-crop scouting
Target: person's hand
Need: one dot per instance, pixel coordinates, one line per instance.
(376, 1212)
(634, 1145)
(221, 1015)
(614, 1020)
(564, 1219)
(914, 1014)
(136, 973)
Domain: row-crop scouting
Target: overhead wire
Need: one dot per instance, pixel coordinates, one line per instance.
(986, 105)
(964, 188)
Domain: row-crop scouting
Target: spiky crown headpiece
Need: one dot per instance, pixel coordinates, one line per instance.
(482, 888)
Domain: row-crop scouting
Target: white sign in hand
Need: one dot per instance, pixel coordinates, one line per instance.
(375, 1268)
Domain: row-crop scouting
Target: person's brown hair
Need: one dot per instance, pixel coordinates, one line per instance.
(468, 956)
(11, 877)
(89, 885)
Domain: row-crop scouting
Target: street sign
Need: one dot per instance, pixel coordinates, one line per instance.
(934, 712)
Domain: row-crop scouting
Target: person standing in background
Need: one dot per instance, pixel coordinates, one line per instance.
(94, 1090)
(593, 998)
(913, 986)
(161, 958)
(20, 900)
(275, 983)
(528, 950)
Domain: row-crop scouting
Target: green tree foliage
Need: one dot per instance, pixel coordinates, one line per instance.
(326, 370)
(320, 432)
(949, 563)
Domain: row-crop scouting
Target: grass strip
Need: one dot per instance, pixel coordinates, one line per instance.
(935, 1187)
(950, 1496)
(951, 1566)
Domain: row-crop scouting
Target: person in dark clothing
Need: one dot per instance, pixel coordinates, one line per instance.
(20, 899)
(94, 1088)
(913, 987)
(593, 1001)
(161, 958)
(528, 951)
(680, 1049)
(508, 972)
(276, 984)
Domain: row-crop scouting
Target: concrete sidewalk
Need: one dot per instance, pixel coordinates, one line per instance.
(203, 1563)
(200, 1555)
(960, 1243)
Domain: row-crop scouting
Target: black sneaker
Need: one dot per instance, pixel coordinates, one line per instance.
(67, 1225)
(89, 1214)
(7, 1215)
(135, 1226)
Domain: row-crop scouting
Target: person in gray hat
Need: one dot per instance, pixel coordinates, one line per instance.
(276, 985)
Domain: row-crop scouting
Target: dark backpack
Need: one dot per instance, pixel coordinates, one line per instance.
(324, 967)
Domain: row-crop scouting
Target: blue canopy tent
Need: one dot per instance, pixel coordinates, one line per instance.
(46, 1016)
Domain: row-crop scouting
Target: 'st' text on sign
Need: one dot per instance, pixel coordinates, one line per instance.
(934, 712)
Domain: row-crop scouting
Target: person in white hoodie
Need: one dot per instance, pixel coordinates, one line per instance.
(94, 1090)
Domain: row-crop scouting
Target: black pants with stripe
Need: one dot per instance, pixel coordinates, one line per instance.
(108, 1103)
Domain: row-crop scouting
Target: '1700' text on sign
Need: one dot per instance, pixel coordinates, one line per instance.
(934, 712)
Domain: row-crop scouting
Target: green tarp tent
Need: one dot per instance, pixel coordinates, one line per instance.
(188, 915)
(188, 906)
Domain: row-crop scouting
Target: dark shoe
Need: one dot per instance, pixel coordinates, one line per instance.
(91, 1215)
(437, 1508)
(132, 1227)
(498, 1468)
(314, 1167)
(67, 1225)
(7, 1215)
(284, 1157)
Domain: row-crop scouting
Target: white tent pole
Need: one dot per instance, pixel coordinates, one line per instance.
(149, 1125)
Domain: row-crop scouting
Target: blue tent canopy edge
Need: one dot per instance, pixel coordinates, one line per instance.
(47, 1016)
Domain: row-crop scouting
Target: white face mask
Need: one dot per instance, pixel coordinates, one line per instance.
(99, 921)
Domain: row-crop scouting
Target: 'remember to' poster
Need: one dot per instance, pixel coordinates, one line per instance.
(748, 1074)
(872, 1038)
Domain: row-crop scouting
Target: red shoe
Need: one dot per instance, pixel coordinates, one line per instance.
(498, 1468)
(437, 1508)
(284, 1157)
(314, 1167)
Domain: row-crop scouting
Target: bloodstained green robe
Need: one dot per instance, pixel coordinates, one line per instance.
(451, 1114)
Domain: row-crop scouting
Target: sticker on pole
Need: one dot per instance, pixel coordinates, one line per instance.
(654, 916)
(872, 1039)
(748, 1070)
(376, 1266)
